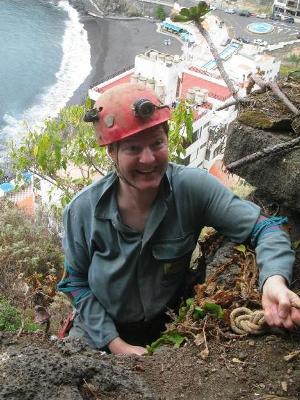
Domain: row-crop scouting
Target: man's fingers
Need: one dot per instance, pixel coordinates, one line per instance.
(272, 316)
(284, 305)
(295, 301)
(296, 316)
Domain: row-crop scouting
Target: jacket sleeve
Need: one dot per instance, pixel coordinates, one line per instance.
(240, 220)
(91, 315)
(274, 254)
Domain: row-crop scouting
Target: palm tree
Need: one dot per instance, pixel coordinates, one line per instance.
(197, 14)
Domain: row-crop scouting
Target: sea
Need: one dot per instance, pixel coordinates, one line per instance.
(44, 58)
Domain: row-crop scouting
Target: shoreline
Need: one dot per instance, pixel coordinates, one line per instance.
(114, 44)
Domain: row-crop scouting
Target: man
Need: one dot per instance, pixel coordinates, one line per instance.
(129, 237)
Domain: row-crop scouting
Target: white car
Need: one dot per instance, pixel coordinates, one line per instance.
(230, 11)
(262, 16)
(260, 42)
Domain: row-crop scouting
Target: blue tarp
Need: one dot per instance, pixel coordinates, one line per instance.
(7, 187)
(175, 28)
(27, 176)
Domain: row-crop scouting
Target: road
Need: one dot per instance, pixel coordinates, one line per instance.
(170, 3)
(283, 32)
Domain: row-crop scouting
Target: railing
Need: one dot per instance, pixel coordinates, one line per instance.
(108, 77)
(18, 196)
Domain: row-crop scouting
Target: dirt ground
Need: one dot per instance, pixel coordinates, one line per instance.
(265, 367)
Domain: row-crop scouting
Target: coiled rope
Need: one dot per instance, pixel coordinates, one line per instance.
(244, 321)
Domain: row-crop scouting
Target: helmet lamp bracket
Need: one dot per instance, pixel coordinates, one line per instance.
(92, 115)
(143, 108)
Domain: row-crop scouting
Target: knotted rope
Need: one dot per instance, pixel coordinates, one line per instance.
(244, 321)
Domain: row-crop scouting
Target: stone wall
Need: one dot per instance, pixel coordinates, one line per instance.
(277, 178)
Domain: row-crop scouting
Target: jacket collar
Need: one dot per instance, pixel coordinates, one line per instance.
(106, 205)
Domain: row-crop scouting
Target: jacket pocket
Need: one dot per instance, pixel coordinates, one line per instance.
(174, 254)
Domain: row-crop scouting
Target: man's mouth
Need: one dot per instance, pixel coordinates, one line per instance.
(146, 172)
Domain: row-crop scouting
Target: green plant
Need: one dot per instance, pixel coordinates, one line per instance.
(180, 130)
(65, 152)
(293, 58)
(11, 319)
(191, 308)
(30, 253)
(160, 13)
(172, 337)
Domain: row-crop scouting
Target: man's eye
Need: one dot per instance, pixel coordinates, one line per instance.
(133, 149)
(158, 143)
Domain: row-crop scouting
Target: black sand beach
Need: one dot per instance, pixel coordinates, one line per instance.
(114, 45)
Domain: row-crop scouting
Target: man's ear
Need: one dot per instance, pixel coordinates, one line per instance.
(111, 151)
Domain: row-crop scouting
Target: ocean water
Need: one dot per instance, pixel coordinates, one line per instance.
(44, 57)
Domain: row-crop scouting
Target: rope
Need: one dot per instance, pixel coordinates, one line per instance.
(244, 321)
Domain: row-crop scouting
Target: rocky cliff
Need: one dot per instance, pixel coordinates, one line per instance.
(127, 8)
(263, 123)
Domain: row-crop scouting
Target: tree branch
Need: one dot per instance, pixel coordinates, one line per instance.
(276, 90)
(271, 150)
(233, 103)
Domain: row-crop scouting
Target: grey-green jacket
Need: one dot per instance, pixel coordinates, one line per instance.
(119, 274)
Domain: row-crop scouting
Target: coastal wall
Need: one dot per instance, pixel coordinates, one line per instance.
(118, 7)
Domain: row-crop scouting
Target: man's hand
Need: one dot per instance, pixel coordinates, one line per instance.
(118, 346)
(281, 305)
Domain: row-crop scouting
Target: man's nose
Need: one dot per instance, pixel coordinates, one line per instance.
(146, 155)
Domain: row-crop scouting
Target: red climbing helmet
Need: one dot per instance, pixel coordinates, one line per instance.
(125, 110)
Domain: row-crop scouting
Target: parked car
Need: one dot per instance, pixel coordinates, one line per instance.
(244, 13)
(262, 16)
(229, 11)
(212, 8)
(288, 18)
(260, 42)
(275, 17)
(243, 40)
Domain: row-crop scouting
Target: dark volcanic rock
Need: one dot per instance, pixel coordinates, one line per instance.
(276, 177)
(37, 374)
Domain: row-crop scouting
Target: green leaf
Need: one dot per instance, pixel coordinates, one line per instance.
(241, 248)
(172, 337)
(198, 313)
(296, 244)
(190, 301)
(214, 309)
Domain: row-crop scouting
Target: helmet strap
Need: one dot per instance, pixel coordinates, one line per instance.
(116, 165)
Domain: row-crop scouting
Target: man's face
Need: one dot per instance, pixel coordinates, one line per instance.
(142, 159)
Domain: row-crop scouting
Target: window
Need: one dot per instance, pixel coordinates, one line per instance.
(197, 134)
(207, 155)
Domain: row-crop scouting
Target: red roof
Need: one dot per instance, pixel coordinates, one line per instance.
(215, 90)
(123, 79)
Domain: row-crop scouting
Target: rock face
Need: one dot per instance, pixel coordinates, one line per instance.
(35, 373)
(105, 7)
(277, 178)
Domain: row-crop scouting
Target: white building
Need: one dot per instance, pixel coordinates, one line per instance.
(289, 7)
